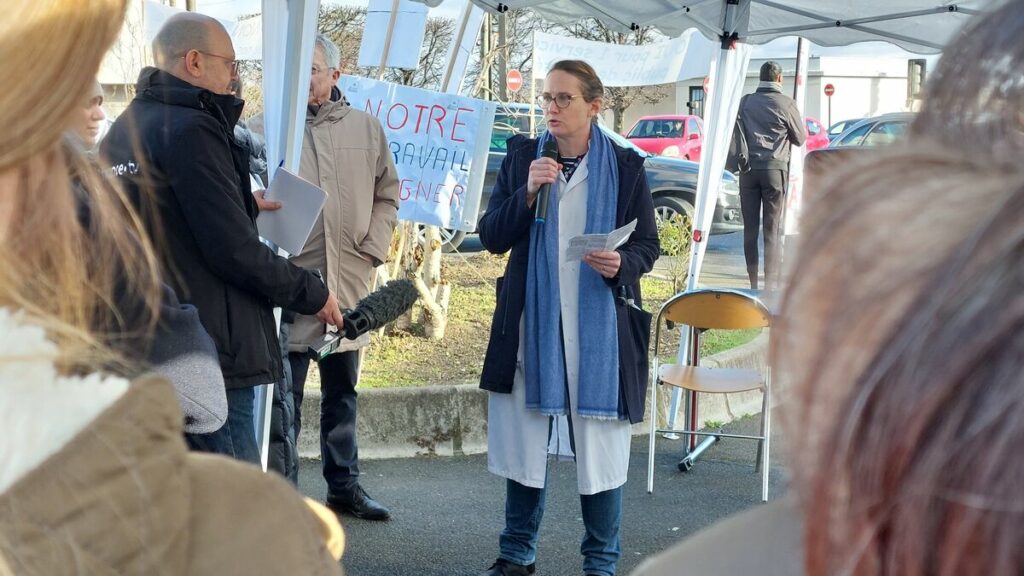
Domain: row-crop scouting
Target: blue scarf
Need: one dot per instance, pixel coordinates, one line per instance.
(544, 355)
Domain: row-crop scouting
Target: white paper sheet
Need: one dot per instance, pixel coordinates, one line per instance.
(584, 244)
(301, 203)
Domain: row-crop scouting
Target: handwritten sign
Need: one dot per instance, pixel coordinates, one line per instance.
(439, 143)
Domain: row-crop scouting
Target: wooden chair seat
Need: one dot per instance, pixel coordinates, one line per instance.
(711, 380)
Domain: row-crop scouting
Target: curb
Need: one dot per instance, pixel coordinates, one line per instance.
(452, 420)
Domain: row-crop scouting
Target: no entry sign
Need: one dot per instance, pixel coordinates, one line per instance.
(514, 80)
(829, 90)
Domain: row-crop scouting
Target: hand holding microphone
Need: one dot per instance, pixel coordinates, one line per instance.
(543, 173)
(373, 312)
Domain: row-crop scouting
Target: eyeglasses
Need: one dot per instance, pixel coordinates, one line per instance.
(232, 64)
(316, 71)
(561, 100)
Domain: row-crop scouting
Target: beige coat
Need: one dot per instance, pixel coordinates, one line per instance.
(124, 497)
(346, 153)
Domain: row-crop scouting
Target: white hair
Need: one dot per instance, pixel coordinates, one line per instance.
(331, 53)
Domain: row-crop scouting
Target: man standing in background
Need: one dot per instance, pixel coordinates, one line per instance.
(771, 123)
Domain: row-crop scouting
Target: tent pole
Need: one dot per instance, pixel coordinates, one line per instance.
(457, 40)
(387, 39)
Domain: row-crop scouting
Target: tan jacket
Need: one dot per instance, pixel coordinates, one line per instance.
(346, 153)
(124, 497)
(766, 540)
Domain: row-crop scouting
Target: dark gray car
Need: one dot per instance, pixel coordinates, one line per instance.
(673, 181)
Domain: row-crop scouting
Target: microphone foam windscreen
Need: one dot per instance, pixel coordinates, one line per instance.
(388, 303)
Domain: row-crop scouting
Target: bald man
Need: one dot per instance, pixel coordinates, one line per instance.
(174, 149)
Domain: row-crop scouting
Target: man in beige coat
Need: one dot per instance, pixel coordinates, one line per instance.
(346, 153)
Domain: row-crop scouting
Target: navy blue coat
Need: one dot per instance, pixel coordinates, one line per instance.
(506, 226)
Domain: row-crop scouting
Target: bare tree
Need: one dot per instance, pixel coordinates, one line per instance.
(344, 26)
(517, 50)
(620, 98)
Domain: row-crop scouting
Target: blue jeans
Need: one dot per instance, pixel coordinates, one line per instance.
(602, 516)
(237, 437)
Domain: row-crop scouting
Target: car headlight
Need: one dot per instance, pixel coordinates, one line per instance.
(671, 151)
(731, 188)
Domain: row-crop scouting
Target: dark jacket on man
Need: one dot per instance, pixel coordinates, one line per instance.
(175, 149)
(505, 226)
(771, 123)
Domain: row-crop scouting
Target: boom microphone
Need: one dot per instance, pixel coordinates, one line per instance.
(550, 150)
(378, 309)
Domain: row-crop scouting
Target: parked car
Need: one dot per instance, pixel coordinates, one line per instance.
(840, 127)
(816, 136)
(877, 131)
(673, 181)
(670, 135)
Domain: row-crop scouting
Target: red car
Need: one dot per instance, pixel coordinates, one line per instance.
(817, 136)
(671, 135)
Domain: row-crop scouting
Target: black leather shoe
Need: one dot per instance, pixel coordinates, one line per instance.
(357, 502)
(502, 567)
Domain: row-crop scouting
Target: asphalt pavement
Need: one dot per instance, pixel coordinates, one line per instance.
(447, 511)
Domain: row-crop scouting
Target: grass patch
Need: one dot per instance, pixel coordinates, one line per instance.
(406, 358)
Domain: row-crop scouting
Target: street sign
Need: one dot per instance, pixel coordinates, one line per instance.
(514, 80)
(829, 90)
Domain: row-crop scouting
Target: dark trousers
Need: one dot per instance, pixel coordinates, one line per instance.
(338, 377)
(762, 192)
(237, 437)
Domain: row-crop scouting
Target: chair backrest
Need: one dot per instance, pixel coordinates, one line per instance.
(720, 309)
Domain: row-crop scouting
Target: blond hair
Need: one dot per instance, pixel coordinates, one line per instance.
(72, 245)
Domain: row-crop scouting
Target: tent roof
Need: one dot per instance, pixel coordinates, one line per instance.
(920, 26)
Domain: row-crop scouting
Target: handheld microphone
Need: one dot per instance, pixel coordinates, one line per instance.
(378, 309)
(550, 150)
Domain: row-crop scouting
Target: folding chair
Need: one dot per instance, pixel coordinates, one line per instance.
(700, 310)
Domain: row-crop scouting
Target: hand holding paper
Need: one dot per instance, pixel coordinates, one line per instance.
(582, 245)
(289, 227)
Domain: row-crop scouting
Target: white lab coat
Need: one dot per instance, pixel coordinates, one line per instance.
(519, 440)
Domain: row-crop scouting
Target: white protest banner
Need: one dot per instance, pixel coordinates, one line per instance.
(439, 143)
(687, 56)
(410, 26)
(246, 35)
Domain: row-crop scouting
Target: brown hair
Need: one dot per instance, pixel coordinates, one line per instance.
(62, 270)
(590, 84)
(898, 349)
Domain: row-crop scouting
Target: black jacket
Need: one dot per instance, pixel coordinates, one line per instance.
(175, 151)
(771, 123)
(506, 226)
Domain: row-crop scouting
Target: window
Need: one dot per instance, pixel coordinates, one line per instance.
(838, 128)
(916, 70)
(696, 103)
(813, 128)
(657, 129)
(692, 127)
(854, 138)
(885, 133)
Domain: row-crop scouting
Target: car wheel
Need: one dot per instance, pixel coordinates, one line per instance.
(450, 239)
(667, 207)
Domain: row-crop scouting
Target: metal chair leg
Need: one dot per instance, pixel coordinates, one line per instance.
(654, 428)
(766, 424)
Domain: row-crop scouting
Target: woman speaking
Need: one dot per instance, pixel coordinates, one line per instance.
(565, 366)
